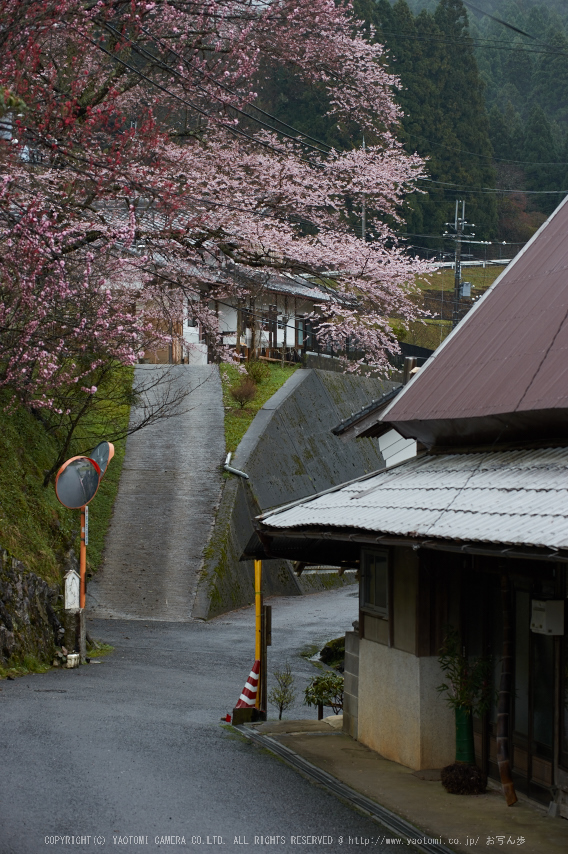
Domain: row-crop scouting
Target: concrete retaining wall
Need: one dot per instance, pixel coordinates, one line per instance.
(289, 453)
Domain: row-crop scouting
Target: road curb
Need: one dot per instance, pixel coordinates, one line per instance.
(388, 819)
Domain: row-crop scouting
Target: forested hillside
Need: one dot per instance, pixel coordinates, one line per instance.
(484, 100)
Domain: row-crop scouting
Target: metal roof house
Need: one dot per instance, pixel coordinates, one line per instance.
(472, 533)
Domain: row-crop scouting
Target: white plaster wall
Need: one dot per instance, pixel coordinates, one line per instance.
(197, 354)
(290, 332)
(227, 318)
(395, 448)
(401, 715)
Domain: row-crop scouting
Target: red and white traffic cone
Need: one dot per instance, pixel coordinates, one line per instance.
(248, 697)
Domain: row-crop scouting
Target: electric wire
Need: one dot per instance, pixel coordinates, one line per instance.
(476, 41)
(174, 72)
(264, 144)
(236, 94)
(231, 128)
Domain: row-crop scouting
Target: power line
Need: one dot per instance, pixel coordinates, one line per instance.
(462, 188)
(173, 71)
(503, 23)
(231, 128)
(476, 41)
(490, 157)
(236, 94)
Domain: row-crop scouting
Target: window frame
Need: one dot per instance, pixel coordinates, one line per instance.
(368, 557)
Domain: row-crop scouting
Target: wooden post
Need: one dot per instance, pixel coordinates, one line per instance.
(239, 323)
(266, 642)
(252, 329)
(505, 698)
(285, 331)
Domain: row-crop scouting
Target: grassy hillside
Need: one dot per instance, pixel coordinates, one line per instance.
(237, 420)
(443, 279)
(436, 294)
(34, 526)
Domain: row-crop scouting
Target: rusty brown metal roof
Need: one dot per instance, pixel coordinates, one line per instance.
(502, 375)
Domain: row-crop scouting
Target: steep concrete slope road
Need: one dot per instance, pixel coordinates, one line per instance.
(164, 511)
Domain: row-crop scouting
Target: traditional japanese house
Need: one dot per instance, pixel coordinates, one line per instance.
(471, 533)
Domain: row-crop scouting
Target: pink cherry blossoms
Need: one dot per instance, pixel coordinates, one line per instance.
(133, 185)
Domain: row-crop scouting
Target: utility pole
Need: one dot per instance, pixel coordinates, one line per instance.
(458, 225)
(458, 235)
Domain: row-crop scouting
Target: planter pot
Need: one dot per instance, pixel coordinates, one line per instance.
(464, 736)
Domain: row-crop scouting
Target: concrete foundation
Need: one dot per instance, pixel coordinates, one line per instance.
(400, 713)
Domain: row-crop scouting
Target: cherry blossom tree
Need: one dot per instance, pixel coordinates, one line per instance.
(138, 176)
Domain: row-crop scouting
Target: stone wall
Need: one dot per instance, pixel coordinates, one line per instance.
(288, 452)
(29, 624)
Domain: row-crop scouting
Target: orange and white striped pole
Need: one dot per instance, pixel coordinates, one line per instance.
(83, 557)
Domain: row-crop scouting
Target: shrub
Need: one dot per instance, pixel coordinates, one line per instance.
(469, 678)
(282, 695)
(257, 371)
(243, 392)
(325, 690)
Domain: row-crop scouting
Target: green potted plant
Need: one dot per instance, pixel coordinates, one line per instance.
(467, 689)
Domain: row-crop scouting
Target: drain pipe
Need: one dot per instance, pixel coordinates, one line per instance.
(230, 469)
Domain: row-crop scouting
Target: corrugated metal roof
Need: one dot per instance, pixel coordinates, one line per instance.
(509, 497)
(510, 353)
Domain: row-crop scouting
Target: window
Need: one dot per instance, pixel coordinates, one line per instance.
(374, 586)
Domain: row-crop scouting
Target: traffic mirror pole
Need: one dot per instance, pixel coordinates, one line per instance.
(83, 556)
(76, 484)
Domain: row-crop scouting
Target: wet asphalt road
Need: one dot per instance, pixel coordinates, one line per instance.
(133, 746)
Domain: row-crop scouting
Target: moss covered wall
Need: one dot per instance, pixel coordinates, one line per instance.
(289, 453)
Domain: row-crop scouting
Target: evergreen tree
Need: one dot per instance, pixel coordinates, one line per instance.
(563, 166)
(467, 152)
(500, 134)
(518, 70)
(551, 78)
(516, 131)
(298, 104)
(541, 160)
